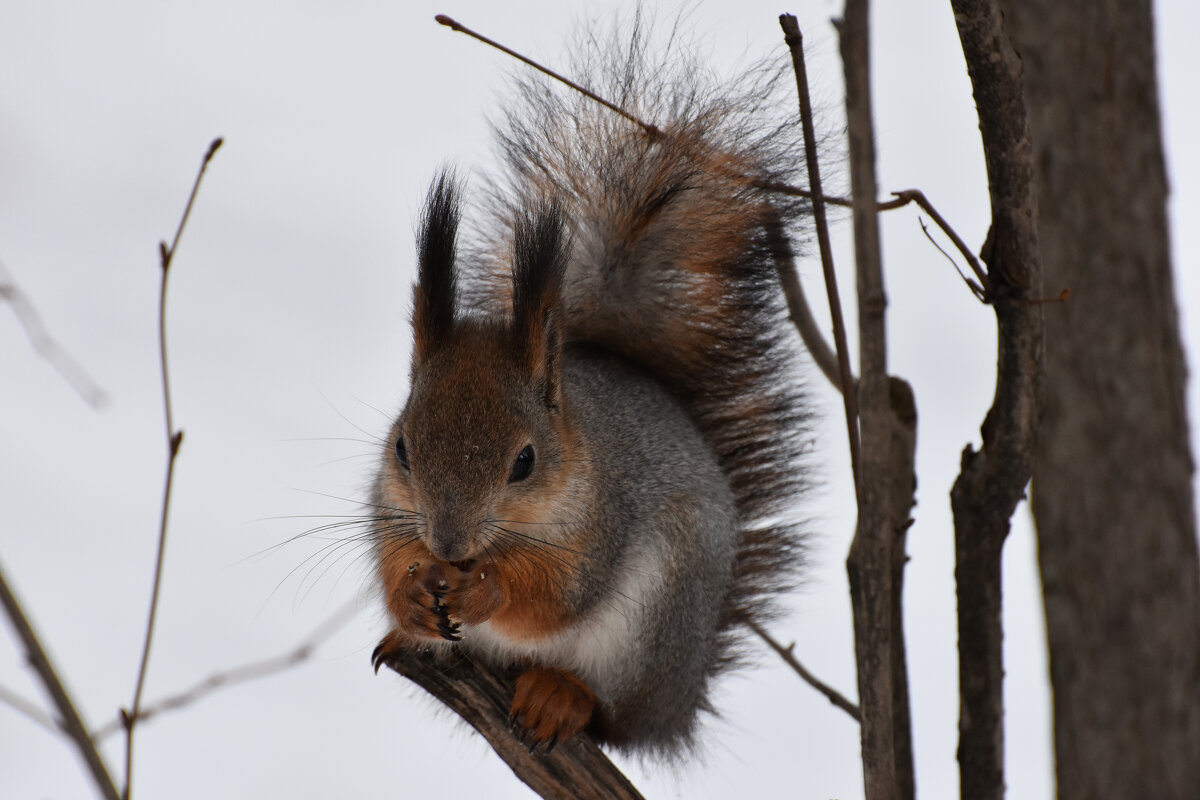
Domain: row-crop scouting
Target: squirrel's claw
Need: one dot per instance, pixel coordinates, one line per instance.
(431, 600)
(447, 629)
(523, 738)
(387, 646)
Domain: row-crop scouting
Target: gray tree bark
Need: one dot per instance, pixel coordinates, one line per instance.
(993, 479)
(1112, 486)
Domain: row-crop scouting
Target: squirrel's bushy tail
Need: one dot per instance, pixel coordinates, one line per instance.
(675, 259)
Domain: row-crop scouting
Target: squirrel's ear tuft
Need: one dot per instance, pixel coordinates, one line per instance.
(434, 296)
(540, 252)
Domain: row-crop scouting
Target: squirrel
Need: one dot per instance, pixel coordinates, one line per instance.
(589, 481)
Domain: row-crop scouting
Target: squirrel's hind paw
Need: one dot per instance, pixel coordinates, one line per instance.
(549, 706)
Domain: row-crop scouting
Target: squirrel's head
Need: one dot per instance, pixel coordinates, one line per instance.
(481, 444)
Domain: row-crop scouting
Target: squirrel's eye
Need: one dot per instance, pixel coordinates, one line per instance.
(523, 466)
(402, 452)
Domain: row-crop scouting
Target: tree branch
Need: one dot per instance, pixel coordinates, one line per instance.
(795, 43)
(993, 480)
(918, 197)
(833, 695)
(453, 25)
(888, 422)
(174, 440)
(576, 769)
(28, 709)
(802, 317)
(46, 346)
(240, 674)
(71, 723)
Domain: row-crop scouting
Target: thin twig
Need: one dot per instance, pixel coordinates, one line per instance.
(795, 43)
(916, 196)
(652, 130)
(240, 674)
(795, 191)
(833, 695)
(174, 440)
(46, 346)
(806, 325)
(975, 288)
(72, 724)
(28, 709)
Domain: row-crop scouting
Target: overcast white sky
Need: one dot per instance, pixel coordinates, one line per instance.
(289, 347)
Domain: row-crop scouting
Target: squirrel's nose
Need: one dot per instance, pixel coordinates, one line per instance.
(450, 543)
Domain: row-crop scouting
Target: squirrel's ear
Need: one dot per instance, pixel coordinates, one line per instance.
(540, 251)
(434, 295)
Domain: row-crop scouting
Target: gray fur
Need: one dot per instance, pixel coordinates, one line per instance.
(662, 535)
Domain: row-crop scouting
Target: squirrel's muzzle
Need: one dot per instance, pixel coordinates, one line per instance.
(450, 540)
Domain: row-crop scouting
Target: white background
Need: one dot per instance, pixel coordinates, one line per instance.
(289, 344)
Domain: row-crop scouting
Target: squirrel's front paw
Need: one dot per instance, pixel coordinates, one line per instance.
(416, 599)
(476, 595)
(549, 706)
(431, 599)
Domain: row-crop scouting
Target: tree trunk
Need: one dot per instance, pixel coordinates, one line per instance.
(1112, 486)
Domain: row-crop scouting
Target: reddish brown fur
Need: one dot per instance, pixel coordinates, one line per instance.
(550, 705)
(516, 585)
(520, 592)
(532, 582)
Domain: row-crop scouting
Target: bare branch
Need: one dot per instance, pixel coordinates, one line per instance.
(72, 724)
(28, 709)
(806, 325)
(576, 769)
(798, 310)
(975, 288)
(651, 130)
(46, 346)
(993, 480)
(916, 196)
(888, 421)
(792, 36)
(241, 674)
(174, 440)
(833, 695)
